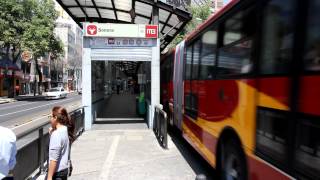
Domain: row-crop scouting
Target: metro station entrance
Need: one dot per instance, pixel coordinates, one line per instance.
(124, 61)
(121, 90)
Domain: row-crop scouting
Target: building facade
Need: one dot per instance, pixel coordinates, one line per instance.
(68, 72)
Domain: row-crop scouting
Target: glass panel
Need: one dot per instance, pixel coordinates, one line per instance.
(143, 9)
(69, 2)
(85, 2)
(312, 52)
(236, 59)
(91, 12)
(188, 63)
(104, 3)
(208, 55)
(272, 130)
(123, 5)
(308, 147)
(76, 12)
(277, 37)
(195, 60)
(109, 14)
(240, 25)
(124, 16)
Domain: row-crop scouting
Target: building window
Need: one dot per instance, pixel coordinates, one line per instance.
(277, 37)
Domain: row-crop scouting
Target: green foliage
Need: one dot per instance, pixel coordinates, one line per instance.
(28, 25)
(199, 15)
(38, 36)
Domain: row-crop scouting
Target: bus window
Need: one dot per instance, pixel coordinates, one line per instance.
(235, 60)
(312, 54)
(195, 60)
(277, 37)
(208, 54)
(188, 63)
(235, 54)
(239, 26)
(307, 147)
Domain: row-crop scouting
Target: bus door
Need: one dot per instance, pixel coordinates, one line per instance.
(194, 96)
(178, 85)
(191, 80)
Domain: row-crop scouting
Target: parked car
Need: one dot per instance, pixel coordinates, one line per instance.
(56, 93)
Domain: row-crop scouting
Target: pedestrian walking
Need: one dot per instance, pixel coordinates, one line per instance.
(62, 135)
(118, 85)
(8, 151)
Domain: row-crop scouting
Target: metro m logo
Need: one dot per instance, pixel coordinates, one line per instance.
(151, 31)
(92, 30)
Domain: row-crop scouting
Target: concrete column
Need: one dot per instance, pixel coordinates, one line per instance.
(86, 88)
(155, 69)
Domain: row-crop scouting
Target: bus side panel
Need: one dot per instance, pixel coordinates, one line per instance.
(178, 84)
(309, 100)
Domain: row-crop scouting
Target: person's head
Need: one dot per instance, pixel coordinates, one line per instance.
(61, 116)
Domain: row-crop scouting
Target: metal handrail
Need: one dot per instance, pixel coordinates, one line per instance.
(160, 126)
(33, 155)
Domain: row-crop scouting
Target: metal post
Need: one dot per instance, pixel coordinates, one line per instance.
(41, 150)
(165, 124)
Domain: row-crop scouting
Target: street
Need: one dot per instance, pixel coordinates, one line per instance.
(19, 112)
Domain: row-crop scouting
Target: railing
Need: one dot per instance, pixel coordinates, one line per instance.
(33, 154)
(160, 126)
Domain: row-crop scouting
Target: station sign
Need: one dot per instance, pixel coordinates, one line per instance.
(104, 42)
(120, 30)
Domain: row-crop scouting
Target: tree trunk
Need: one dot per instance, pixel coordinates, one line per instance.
(40, 76)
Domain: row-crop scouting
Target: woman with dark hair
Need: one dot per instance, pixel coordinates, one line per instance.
(62, 135)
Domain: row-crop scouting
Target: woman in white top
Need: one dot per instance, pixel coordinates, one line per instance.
(60, 139)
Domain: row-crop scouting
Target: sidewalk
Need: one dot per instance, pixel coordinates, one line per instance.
(126, 152)
(6, 100)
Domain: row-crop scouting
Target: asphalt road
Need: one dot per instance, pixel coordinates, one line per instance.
(20, 112)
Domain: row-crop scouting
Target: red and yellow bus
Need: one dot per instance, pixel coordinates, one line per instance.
(244, 89)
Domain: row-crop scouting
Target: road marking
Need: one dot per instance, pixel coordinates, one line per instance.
(8, 107)
(33, 120)
(105, 171)
(34, 107)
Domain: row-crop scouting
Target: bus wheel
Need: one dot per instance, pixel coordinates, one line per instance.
(232, 161)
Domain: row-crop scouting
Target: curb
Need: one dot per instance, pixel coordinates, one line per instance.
(30, 98)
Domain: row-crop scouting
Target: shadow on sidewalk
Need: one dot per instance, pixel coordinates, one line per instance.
(194, 159)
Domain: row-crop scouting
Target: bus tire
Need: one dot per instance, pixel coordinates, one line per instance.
(232, 162)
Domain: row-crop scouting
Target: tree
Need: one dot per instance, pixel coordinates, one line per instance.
(199, 14)
(39, 35)
(14, 16)
(28, 25)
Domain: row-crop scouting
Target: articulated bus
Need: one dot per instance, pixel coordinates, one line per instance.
(244, 89)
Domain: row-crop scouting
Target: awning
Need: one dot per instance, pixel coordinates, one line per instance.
(171, 20)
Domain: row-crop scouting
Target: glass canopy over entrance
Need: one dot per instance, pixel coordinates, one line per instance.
(171, 20)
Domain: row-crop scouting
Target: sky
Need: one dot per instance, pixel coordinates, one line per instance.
(225, 1)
